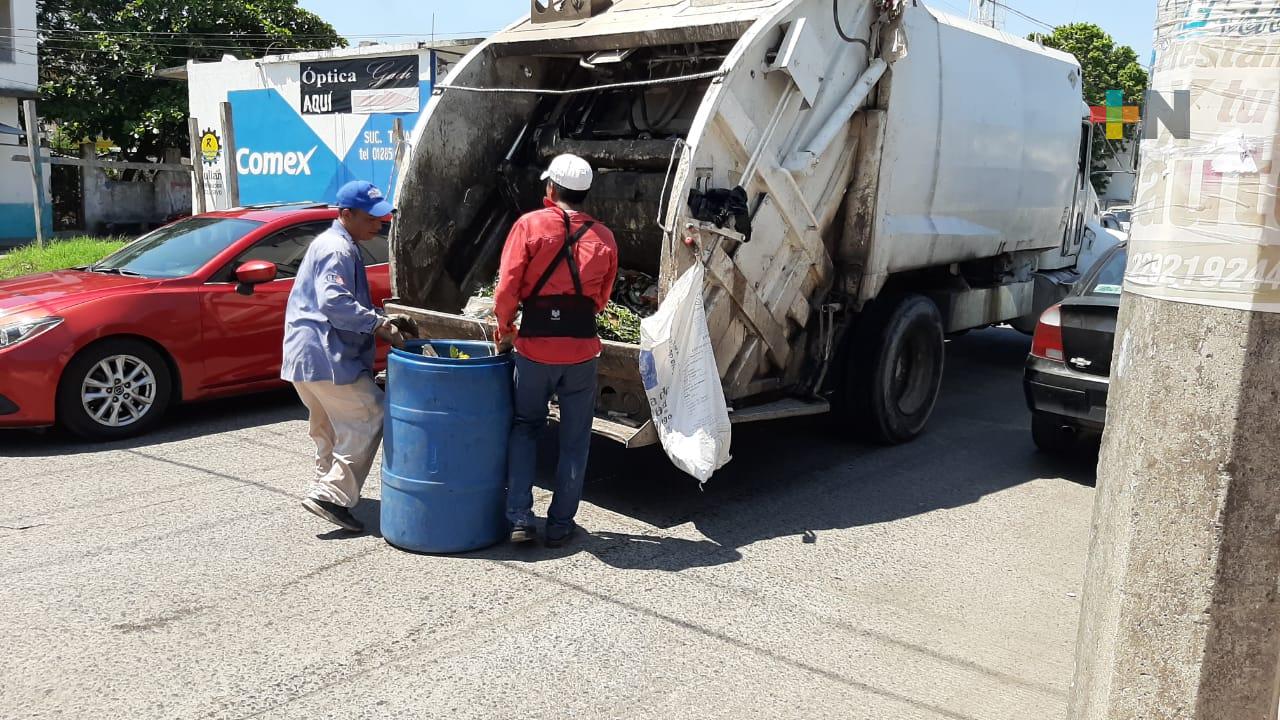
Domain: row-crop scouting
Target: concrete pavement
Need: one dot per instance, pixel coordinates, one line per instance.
(176, 576)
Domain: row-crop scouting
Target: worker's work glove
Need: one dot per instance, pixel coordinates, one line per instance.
(407, 326)
(390, 334)
(504, 345)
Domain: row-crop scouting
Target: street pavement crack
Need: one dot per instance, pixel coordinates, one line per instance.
(371, 658)
(329, 566)
(224, 476)
(160, 621)
(743, 645)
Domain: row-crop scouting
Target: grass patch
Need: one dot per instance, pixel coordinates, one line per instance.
(57, 255)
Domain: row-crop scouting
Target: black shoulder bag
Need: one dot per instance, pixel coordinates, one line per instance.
(567, 316)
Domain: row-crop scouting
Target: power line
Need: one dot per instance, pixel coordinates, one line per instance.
(988, 14)
(174, 34)
(55, 54)
(89, 50)
(176, 42)
(951, 5)
(1022, 15)
(175, 45)
(55, 48)
(68, 46)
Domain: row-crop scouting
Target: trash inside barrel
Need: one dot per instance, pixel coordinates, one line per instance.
(444, 453)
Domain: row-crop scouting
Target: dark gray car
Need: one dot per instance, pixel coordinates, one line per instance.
(1068, 370)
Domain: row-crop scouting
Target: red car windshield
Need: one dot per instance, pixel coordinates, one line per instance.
(176, 250)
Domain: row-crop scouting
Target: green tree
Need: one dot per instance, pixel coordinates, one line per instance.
(98, 60)
(1106, 66)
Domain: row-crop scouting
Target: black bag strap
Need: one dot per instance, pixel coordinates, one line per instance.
(566, 256)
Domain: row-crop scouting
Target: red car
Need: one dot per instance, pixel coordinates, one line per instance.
(191, 311)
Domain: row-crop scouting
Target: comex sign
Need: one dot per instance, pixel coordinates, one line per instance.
(293, 162)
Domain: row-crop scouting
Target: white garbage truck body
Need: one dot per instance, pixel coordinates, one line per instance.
(855, 190)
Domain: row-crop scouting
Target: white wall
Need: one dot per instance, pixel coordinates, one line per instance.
(141, 204)
(18, 75)
(17, 220)
(18, 78)
(8, 116)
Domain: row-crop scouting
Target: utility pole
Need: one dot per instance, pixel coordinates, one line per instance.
(37, 172)
(229, 153)
(986, 12)
(1181, 612)
(197, 165)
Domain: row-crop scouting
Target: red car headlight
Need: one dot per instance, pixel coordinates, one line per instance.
(24, 330)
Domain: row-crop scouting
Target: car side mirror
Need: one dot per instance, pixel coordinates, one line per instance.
(254, 272)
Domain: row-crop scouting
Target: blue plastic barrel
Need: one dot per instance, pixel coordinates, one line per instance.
(444, 452)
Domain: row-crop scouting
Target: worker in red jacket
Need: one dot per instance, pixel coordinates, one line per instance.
(558, 268)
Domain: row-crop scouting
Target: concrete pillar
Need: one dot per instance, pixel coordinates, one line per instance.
(1181, 615)
(92, 182)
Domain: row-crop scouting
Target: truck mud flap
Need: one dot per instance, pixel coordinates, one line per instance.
(631, 437)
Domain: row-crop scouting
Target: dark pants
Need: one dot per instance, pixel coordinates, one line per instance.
(575, 387)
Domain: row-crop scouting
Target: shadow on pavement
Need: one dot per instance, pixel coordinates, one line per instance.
(795, 478)
(805, 476)
(182, 422)
(620, 550)
(368, 512)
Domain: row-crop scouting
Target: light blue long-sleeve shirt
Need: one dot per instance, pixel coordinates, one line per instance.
(330, 318)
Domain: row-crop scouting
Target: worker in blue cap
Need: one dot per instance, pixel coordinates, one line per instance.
(330, 326)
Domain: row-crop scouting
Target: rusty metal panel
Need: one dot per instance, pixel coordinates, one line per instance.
(855, 246)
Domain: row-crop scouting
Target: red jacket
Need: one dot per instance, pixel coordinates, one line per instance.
(532, 245)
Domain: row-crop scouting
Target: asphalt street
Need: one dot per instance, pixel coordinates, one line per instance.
(176, 576)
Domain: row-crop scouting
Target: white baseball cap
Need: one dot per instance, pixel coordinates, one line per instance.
(569, 172)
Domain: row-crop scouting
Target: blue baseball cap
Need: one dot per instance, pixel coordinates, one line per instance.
(362, 195)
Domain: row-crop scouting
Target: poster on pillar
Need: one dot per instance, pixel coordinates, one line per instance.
(289, 145)
(1206, 224)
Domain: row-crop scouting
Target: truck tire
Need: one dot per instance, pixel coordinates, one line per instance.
(894, 367)
(114, 389)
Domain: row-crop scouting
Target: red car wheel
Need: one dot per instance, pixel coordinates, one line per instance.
(114, 389)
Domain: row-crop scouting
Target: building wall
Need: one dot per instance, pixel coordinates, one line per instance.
(17, 219)
(114, 206)
(18, 78)
(288, 154)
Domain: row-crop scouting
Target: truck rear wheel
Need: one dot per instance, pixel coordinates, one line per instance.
(894, 368)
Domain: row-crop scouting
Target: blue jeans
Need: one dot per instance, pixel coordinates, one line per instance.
(575, 387)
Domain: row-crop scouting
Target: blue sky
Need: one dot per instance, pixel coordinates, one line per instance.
(1129, 21)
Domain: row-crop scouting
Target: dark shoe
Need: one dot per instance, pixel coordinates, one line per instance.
(335, 514)
(555, 540)
(523, 534)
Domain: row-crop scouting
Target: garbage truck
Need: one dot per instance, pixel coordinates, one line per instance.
(860, 179)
